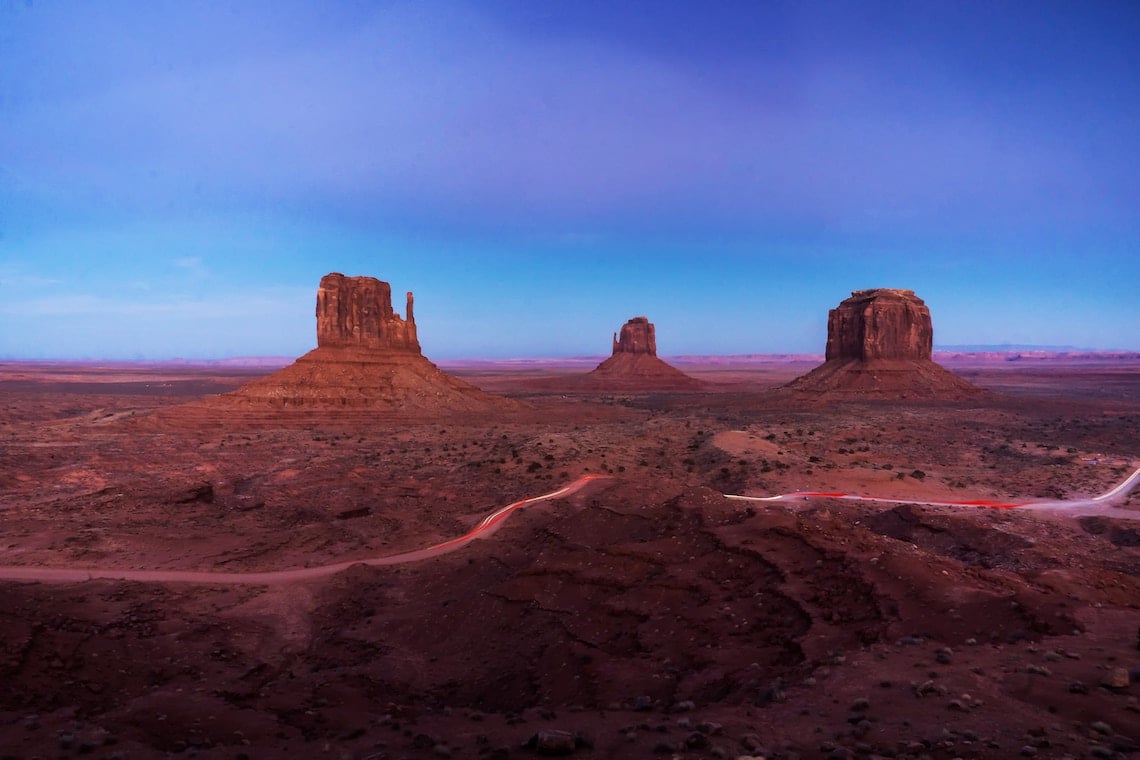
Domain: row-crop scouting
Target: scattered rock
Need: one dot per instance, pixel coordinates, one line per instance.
(552, 742)
(1116, 678)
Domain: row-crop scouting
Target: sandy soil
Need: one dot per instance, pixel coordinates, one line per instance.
(645, 615)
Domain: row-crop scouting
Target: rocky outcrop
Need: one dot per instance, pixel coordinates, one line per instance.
(368, 357)
(883, 323)
(356, 312)
(879, 345)
(634, 364)
(638, 336)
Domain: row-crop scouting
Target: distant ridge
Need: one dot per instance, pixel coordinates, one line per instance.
(986, 348)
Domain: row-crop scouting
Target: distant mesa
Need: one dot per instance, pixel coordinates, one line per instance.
(367, 355)
(879, 345)
(634, 364)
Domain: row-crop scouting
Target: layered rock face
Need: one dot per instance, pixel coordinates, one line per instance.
(883, 323)
(634, 364)
(366, 356)
(879, 344)
(638, 336)
(356, 312)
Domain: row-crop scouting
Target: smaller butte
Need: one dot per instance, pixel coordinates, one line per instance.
(879, 345)
(634, 365)
(367, 356)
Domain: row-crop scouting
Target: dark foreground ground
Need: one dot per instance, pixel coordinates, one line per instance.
(645, 616)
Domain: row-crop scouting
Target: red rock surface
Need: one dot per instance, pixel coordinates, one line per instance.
(638, 336)
(883, 323)
(366, 356)
(634, 364)
(648, 614)
(879, 344)
(356, 312)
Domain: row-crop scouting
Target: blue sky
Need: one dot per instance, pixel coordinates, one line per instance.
(176, 177)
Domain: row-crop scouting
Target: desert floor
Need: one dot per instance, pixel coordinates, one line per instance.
(645, 615)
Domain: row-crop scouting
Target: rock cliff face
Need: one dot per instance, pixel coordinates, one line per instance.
(879, 345)
(367, 357)
(880, 324)
(638, 336)
(356, 312)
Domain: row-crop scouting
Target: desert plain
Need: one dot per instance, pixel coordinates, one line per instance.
(644, 615)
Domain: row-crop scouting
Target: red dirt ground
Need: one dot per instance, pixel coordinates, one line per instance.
(646, 615)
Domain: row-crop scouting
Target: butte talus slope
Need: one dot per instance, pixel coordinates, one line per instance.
(366, 356)
(879, 345)
(634, 364)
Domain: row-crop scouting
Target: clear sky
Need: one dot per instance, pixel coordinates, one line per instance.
(175, 177)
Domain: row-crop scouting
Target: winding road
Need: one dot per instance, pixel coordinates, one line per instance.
(485, 527)
(1098, 505)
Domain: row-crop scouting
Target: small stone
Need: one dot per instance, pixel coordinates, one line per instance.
(441, 750)
(1101, 751)
(1028, 751)
(751, 742)
(552, 742)
(1101, 727)
(956, 706)
(1038, 670)
(862, 704)
(684, 705)
(696, 740)
(942, 655)
(1077, 687)
(1117, 678)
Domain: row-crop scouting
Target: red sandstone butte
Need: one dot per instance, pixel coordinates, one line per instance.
(879, 345)
(367, 355)
(634, 364)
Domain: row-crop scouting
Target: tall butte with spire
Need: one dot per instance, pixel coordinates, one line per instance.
(634, 365)
(367, 355)
(879, 345)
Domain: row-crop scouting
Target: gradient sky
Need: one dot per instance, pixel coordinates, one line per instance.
(176, 177)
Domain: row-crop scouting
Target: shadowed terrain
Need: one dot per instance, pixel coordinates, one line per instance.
(644, 615)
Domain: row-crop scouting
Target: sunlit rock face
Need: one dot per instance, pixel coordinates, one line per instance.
(638, 336)
(882, 323)
(356, 312)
